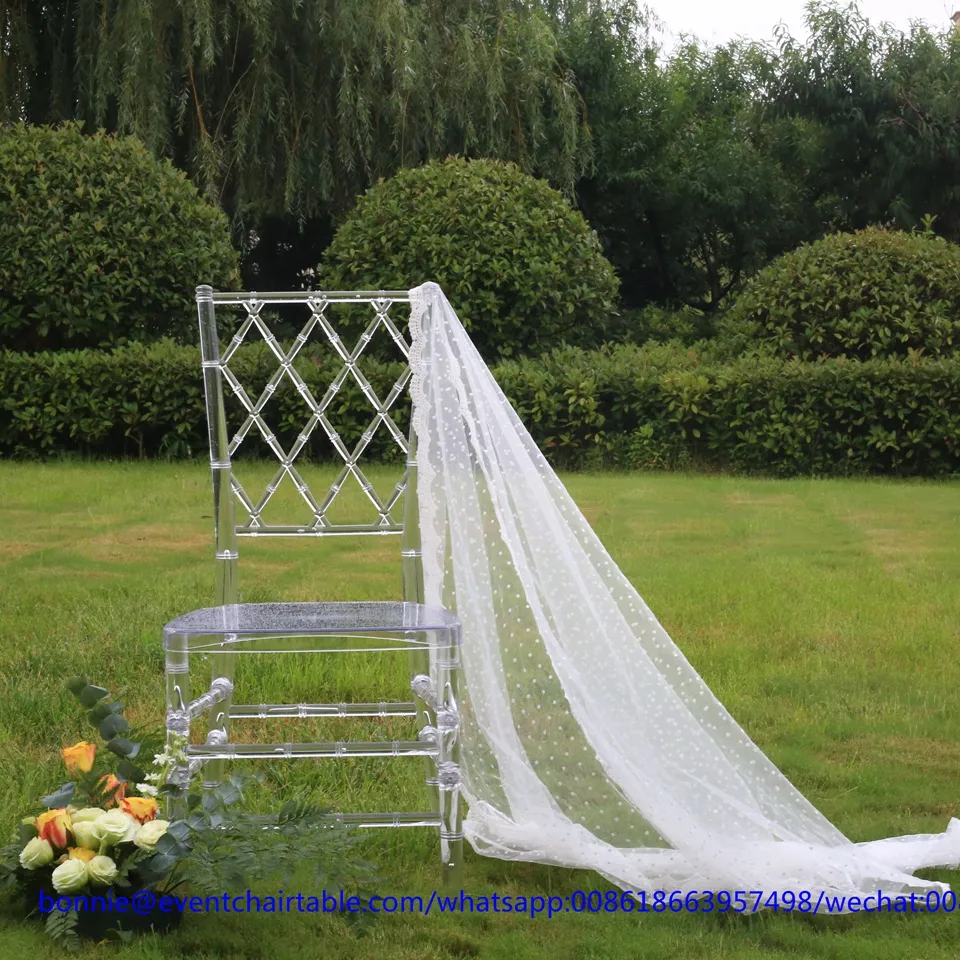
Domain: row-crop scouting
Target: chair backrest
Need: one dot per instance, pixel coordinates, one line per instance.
(238, 511)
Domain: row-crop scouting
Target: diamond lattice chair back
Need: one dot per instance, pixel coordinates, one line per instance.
(221, 633)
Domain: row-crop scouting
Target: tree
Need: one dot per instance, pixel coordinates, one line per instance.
(884, 110)
(293, 107)
(688, 191)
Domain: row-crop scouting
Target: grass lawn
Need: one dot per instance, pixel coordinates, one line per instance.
(823, 613)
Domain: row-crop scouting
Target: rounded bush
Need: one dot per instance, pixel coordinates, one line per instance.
(520, 266)
(100, 242)
(875, 293)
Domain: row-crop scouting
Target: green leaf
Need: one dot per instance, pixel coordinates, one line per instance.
(179, 829)
(26, 832)
(61, 797)
(156, 867)
(123, 748)
(62, 928)
(113, 725)
(170, 845)
(103, 710)
(90, 695)
(130, 772)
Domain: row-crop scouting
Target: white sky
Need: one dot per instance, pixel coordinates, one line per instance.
(716, 21)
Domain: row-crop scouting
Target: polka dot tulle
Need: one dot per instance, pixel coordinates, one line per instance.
(588, 739)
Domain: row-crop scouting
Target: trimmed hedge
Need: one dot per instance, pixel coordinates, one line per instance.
(101, 243)
(522, 268)
(874, 293)
(147, 400)
(624, 406)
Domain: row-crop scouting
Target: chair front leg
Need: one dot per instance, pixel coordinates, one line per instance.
(448, 775)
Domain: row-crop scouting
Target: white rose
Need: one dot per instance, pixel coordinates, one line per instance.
(86, 815)
(102, 870)
(70, 876)
(86, 835)
(37, 853)
(115, 826)
(148, 835)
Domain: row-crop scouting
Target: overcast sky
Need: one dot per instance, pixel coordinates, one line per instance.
(717, 21)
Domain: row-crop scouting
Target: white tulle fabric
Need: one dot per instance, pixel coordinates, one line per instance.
(588, 739)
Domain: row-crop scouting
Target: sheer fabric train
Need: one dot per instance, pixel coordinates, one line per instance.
(589, 741)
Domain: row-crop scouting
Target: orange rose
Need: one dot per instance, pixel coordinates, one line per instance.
(79, 853)
(113, 790)
(140, 808)
(54, 826)
(78, 759)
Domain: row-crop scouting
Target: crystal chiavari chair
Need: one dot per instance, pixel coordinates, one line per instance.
(221, 633)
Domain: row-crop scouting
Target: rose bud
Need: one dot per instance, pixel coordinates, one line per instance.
(113, 790)
(86, 835)
(70, 876)
(115, 826)
(102, 871)
(54, 825)
(148, 835)
(140, 808)
(85, 815)
(37, 853)
(78, 759)
(80, 853)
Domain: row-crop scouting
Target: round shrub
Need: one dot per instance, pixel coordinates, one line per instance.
(520, 266)
(100, 242)
(875, 293)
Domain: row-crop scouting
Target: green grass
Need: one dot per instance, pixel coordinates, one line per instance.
(823, 614)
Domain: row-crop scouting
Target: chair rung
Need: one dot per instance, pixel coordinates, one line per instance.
(272, 711)
(266, 751)
(372, 820)
(340, 529)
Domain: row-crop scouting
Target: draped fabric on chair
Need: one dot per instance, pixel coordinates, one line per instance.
(588, 739)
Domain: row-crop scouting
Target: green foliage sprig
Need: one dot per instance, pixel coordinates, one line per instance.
(108, 772)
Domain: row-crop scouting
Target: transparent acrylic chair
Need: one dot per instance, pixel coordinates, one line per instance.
(431, 637)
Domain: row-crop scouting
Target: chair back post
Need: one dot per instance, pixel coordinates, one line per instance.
(411, 559)
(410, 551)
(224, 513)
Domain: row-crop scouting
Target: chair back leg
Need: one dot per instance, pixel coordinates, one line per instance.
(224, 515)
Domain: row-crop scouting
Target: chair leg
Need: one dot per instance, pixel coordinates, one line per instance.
(426, 720)
(448, 775)
(218, 719)
(223, 664)
(451, 838)
(177, 669)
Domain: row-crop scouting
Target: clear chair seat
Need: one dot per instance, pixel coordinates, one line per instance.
(413, 623)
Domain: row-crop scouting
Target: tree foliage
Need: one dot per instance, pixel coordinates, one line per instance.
(696, 166)
(295, 106)
(882, 110)
(688, 191)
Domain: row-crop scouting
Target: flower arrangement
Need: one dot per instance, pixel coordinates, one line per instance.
(101, 833)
